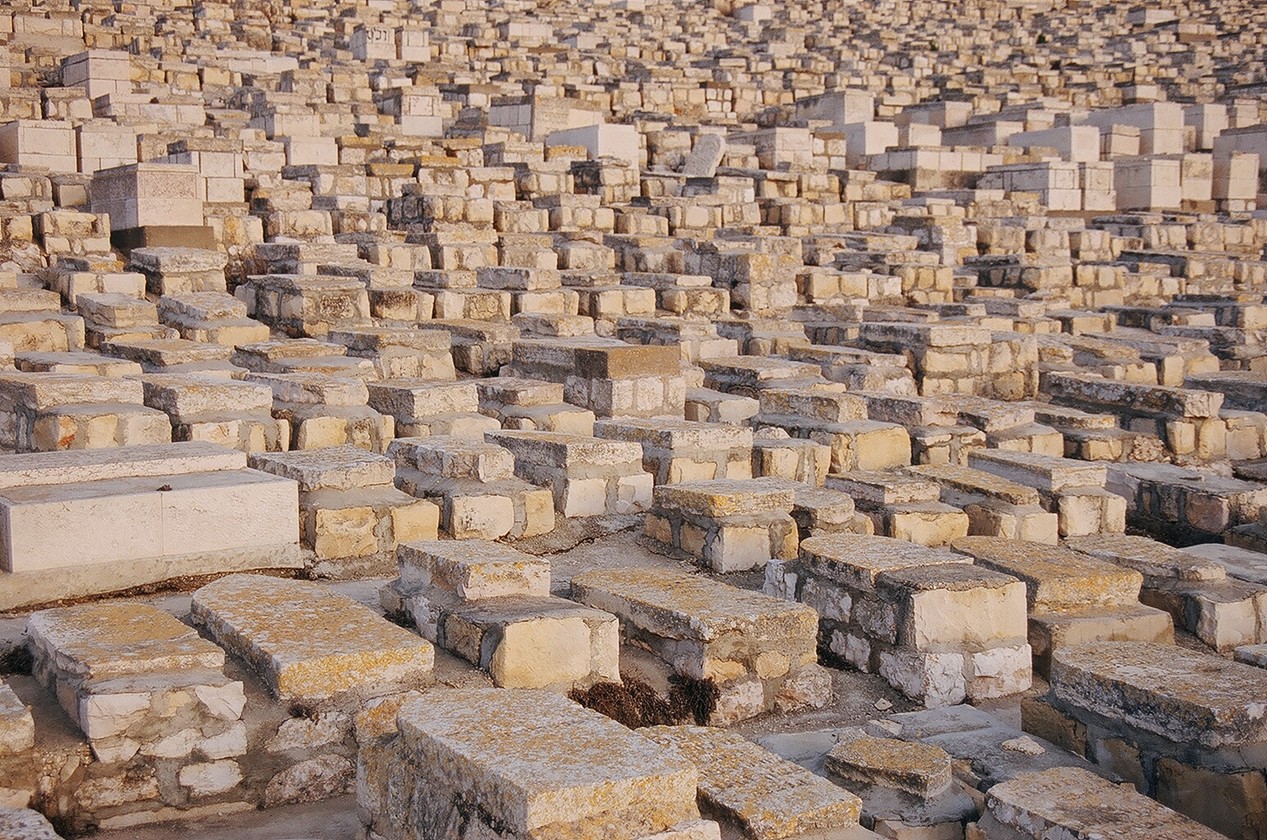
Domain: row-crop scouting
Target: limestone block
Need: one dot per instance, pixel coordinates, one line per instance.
(749, 643)
(532, 762)
(133, 678)
(472, 570)
(175, 515)
(534, 642)
(17, 727)
(919, 769)
(767, 795)
(1079, 803)
(25, 824)
(308, 644)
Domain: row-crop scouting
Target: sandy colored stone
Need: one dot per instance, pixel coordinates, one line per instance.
(472, 569)
(1075, 803)
(770, 797)
(307, 643)
(119, 639)
(542, 766)
(680, 605)
(919, 769)
(857, 560)
(1055, 578)
(1182, 695)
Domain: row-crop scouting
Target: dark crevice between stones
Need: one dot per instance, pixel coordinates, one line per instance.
(635, 704)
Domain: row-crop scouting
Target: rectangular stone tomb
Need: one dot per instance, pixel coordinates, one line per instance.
(46, 412)
(750, 788)
(610, 378)
(475, 486)
(937, 628)
(136, 680)
(84, 523)
(491, 605)
(1222, 612)
(1072, 598)
(675, 451)
(1073, 490)
(527, 765)
(532, 405)
(903, 505)
(327, 410)
(995, 506)
(1075, 803)
(353, 516)
(588, 476)
(205, 407)
(310, 645)
(422, 408)
(758, 650)
(907, 787)
(1185, 727)
(725, 525)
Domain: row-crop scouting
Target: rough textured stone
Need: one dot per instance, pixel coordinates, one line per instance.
(308, 644)
(771, 798)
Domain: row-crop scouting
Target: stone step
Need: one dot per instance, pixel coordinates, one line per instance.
(76, 362)
(872, 490)
(1073, 599)
(995, 507)
(490, 604)
(309, 645)
(722, 498)
(194, 396)
(354, 532)
(918, 769)
(555, 417)
(497, 393)
(794, 459)
(971, 483)
(39, 391)
(1052, 631)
